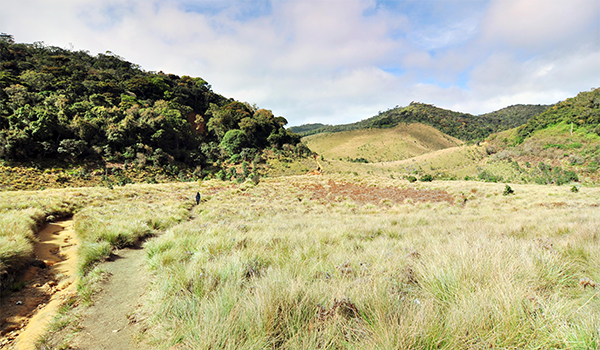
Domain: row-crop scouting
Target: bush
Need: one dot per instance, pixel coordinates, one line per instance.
(411, 179)
(508, 190)
(489, 177)
(426, 178)
(233, 141)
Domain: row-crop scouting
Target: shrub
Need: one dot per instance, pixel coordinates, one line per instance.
(508, 190)
(489, 177)
(426, 178)
(411, 179)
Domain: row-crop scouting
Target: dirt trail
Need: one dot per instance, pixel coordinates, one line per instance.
(112, 322)
(26, 313)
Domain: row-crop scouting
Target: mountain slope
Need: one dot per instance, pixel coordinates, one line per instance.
(582, 110)
(380, 145)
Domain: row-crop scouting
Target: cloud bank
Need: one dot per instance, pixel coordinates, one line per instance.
(339, 61)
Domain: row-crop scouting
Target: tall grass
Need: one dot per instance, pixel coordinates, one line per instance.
(22, 214)
(121, 217)
(17, 230)
(269, 267)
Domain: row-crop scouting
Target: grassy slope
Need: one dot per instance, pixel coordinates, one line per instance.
(377, 145)
(299, 262)
(554, 146)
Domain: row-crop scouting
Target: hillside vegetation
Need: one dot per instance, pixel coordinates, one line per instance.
(463, 126)
(582, 110)
(380, 145)
(557, 146)
(71, 108)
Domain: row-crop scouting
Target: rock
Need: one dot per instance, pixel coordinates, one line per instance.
(39, 263)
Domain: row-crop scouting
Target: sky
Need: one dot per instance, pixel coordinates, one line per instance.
(339, 61)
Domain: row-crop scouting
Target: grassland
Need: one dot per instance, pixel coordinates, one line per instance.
(380, 145)
(346, 262)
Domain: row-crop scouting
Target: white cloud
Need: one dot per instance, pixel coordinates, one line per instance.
(543, 24)
(322, 61)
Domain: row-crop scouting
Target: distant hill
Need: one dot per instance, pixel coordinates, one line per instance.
(306, 129)
(70, 106)
(463, 126)
(380, 145)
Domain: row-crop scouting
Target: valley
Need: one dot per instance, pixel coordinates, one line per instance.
(417, 228)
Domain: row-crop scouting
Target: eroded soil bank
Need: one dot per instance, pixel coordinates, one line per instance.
(24, 314)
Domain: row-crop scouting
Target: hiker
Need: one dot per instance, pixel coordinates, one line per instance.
(197, 198)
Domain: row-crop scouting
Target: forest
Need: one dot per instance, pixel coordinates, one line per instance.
(66, 105)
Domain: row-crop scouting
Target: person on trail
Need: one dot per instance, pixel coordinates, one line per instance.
(197, 198)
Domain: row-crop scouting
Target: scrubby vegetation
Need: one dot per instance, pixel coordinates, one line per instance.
(98, 110)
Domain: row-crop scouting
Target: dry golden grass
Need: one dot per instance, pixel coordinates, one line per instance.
(380, 145)
(348, 261)
(278, 266)
(460, 161)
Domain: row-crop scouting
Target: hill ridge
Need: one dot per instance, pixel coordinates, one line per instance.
(464, 126)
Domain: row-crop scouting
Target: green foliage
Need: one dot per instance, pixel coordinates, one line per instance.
(426, 178)
(62, 104)
(582, 110)
(546, 174)
(508, 191)
(307, 129)
(574, 189)
(489, 177)
(359, 160)
(233, 141)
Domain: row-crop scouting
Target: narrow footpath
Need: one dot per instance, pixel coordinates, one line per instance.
(113, 321)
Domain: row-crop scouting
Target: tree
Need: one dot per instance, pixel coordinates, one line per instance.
(233, 141)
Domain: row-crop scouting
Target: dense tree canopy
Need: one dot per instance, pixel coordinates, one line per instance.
(57, 103)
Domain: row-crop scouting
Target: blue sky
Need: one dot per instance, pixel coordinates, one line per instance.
(339, 61)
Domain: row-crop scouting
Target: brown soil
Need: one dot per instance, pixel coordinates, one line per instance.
(25, 313)
(361, 194)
